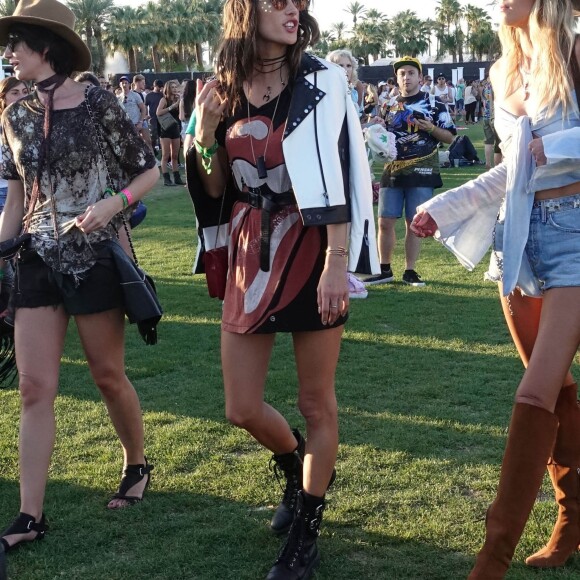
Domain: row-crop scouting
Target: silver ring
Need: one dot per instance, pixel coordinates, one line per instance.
(333, 306)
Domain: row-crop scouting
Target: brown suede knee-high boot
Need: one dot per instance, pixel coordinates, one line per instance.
(530, 441)
(564, 470)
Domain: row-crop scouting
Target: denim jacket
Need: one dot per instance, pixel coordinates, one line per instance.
(466, 215)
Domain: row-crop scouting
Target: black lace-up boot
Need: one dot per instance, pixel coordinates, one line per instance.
(289, 467)
(299, 556)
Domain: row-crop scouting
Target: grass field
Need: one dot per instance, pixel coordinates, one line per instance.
(425, 384)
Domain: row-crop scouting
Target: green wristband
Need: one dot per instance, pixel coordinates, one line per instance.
(206, 153)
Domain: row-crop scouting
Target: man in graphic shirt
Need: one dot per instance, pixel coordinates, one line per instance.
(409, 181)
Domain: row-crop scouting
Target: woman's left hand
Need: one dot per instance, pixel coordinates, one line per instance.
(537, 149)
(98, 215)
(333, 290)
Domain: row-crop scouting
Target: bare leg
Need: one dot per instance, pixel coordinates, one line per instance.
(245, 359)
(316, 359)
(175, 144)
(39, 337)
(412, 247)
(165, 153)
(387, 239)
(103, 339)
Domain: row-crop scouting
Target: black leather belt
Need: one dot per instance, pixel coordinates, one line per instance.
(267, 200)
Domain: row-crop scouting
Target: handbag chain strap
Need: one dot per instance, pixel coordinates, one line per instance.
(100, 138)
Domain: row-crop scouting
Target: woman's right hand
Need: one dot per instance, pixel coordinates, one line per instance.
(209, 107)
(423, 225)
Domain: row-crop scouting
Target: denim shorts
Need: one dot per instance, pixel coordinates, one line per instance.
(392, 199)
(553, 247)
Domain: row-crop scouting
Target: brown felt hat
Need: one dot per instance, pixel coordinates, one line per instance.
(54, 16)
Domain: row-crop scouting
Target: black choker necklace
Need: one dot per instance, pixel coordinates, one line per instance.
(272, 60)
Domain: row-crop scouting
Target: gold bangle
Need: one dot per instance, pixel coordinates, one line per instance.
(340, 251)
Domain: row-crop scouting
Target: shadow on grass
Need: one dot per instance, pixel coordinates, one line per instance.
(200, 537)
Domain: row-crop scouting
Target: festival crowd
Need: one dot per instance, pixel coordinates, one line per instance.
(278, 149)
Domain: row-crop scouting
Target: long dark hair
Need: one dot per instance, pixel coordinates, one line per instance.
(237, 54)
(189, 93)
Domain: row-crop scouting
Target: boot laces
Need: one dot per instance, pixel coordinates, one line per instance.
(287, 478)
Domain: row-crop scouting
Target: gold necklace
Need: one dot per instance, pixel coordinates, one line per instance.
(525, 82)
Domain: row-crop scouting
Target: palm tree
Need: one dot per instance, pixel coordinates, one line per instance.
(370, 35)
(91, 17)
(477, 20)
(126, 32)
(7, 7)
(408, 34)
(449, 14)
(356, 10)
(325, 41)
(339, 28)
(209, 12)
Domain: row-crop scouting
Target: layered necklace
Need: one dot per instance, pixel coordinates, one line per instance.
(265, 66)
(261, 160)
(269, 65)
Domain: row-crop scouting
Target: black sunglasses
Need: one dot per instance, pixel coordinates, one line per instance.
(13, 40)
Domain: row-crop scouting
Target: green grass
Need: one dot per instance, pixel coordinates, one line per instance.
(425, 384)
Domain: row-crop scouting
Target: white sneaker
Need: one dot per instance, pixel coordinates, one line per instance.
(356, 289)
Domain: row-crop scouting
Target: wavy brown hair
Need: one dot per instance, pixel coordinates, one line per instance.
(5, 87)
(237, 53)
(552, 35)
(168, 93)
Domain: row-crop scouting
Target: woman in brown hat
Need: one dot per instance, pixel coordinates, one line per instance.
(63, 147)
(528, 210)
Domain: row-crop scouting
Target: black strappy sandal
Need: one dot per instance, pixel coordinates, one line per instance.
(132, 475)
(24, 524)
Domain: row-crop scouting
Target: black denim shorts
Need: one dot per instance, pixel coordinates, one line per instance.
(37, 285)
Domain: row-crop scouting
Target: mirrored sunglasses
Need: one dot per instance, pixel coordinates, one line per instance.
(281, 4)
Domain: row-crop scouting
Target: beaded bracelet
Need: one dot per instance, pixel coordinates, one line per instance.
(206, 153)
(123, 196)
(340, 251)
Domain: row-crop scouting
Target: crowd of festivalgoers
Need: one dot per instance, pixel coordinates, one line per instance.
(278, 158)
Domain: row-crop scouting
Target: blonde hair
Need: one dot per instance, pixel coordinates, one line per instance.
(336, 55)
(551, 28)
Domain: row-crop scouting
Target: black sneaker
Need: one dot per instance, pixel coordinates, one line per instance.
(411, 278)
(384, 277)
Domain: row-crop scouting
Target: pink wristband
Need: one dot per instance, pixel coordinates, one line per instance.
(128, 195)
